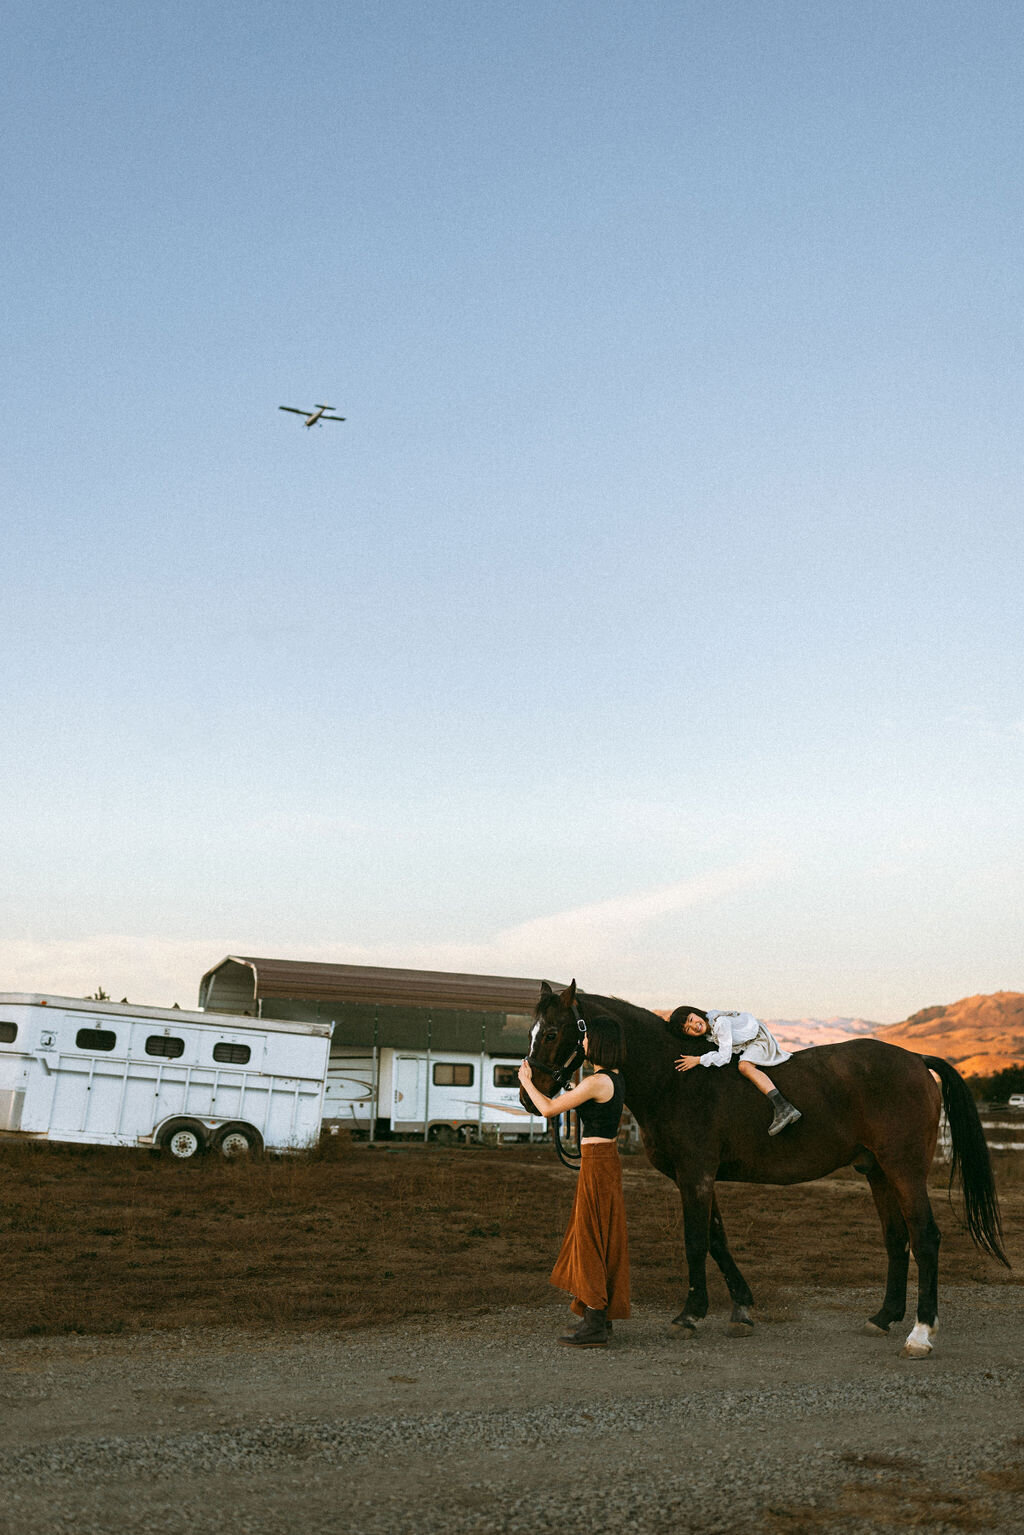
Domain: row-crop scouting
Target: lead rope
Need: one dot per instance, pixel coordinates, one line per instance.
(573, 1160)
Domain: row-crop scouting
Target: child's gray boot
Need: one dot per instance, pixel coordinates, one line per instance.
(785, 1113)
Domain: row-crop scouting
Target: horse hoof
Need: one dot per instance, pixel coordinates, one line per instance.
(915, 1351)
(740, 1329)
(683, 1327)
(874, 1331)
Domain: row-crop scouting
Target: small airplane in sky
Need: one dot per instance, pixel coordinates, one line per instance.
(315, 416)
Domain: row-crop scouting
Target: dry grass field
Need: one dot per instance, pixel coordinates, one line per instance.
(96, 1240)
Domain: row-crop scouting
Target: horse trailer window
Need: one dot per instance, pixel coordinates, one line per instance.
(235, 1055)
(8, 1033)
(95, 1039)
(165, 1045)
(446, 1074)
(506, 1076)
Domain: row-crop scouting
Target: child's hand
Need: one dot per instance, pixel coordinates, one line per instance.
(684, 1062)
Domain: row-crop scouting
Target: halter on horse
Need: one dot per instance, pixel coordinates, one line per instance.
(560, 1077)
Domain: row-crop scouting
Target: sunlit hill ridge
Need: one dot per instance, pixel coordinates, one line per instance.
(979, 1035)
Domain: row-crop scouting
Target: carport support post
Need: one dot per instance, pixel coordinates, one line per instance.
(426, 1094)
(375, 1107)
(480, 1095)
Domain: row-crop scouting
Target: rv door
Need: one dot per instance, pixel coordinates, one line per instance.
(410, 1089)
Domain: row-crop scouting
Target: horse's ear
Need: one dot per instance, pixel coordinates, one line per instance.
(545, 989)
(568, 997)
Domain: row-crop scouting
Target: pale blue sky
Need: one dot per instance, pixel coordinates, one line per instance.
(655, 616)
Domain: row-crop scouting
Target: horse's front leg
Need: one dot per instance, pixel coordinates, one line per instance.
(697, 1200)
(741, 1322)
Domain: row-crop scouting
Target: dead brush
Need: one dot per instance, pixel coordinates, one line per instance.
(102, 1240)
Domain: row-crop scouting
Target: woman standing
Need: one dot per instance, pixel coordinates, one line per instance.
(593, 1265)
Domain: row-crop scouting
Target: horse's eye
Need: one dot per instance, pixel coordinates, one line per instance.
(550, 1033)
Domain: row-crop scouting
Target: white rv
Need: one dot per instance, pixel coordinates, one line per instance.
(445, 1095)
(109, 1074)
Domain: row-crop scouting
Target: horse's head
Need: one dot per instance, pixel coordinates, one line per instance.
(556, 1041)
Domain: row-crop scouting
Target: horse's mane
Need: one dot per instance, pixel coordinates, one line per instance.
(619, 1008)
(665, 1027)
(629, 1012)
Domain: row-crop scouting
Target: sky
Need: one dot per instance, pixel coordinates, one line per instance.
(655, 615)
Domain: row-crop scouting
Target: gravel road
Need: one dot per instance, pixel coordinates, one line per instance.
(483, 1425)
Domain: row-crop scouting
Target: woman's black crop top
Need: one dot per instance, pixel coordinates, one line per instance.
(602, 1119)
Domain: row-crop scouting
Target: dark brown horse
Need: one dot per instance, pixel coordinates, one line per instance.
(864, 1103)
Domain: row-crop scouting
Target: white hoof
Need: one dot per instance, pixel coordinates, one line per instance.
(919, 1343)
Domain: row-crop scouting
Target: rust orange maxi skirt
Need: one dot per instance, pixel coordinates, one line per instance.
(594, 1262)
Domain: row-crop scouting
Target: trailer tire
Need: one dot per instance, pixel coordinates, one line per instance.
(184, 1139)
(443, 1135)
(238, 1140)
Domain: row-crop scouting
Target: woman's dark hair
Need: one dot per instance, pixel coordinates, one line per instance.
(605, 1045)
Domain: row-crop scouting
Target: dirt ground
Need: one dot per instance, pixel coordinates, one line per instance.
(365, 1343)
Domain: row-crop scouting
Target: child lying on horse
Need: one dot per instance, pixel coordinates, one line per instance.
(744, 1035)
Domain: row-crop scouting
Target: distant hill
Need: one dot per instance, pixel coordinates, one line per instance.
(801, 1033)
(979, 1035)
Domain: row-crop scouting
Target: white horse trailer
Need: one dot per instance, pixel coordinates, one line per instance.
(441, 1095)
(109, 1074)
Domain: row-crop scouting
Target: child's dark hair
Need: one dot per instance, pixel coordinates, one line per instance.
(605, 1044)
(679, 1015)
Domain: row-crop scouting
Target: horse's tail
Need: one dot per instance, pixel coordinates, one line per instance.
(970, 1161)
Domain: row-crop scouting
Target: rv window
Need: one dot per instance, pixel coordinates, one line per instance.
(95, 1039)
(446, 1074)
(237, 1055)
(166, 1045)
(506, 1076)
(8, 1033)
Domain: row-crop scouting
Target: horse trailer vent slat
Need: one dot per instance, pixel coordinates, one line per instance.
(230, 1054)
(165, 1045)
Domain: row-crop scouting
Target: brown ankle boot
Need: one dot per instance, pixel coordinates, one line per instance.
(593, 1332)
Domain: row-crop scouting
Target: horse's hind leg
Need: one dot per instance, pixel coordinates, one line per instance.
(897, 1247)
(924, 1240)
(741, 1322)
(911, 1190)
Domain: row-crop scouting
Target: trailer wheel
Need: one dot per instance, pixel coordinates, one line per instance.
(237, 1141)
(184, 1139)
(444, 1135)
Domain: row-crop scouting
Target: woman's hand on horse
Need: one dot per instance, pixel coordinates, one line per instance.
(684, 1062)
(525, 1073)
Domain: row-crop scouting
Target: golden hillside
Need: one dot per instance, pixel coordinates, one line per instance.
(978, 1034)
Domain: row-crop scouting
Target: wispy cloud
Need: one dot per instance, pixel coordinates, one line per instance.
(629, 914)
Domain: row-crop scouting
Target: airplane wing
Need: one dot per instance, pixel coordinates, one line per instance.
(325, 418)
(293, 410)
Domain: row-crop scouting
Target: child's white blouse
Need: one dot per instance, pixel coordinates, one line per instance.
(730, 1032)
